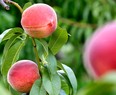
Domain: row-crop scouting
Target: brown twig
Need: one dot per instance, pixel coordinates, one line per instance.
(2, 2)
(15, 4)
(36, 53)
(76, 24)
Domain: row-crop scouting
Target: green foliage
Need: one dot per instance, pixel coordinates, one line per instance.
(7, 34)
(51, 64)
(6, 20)
(58, 38)
(80, 18)
(104, 86)
(45, 46)
(65, 88)
(12, 48)
(71, 77)
(27, 5)
(4, 91)
(37, 88)
(50, 82)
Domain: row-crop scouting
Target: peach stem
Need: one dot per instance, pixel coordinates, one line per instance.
(15, 4)
(36, 52)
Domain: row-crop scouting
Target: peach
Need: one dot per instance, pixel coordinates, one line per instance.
(22, 75)
(100, 51)
(39, 20)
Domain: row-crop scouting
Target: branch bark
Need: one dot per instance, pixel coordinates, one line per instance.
(2, 2)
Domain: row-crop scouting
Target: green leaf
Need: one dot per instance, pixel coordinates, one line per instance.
(64, 83)
(3, 34)
(8, 45)
(27, 5)
(70, 74)
(109, 77)
(37, 88)
(52, 83)
(58, 39)
(65, 87)
(11, 56)
(14, 92)
(45, 46)
(105, 85)
(62, 92)
(7, 34)
(51, 63)
(98, 88)
(4, 91)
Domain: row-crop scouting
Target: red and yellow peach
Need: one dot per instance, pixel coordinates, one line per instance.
(22, 75)
(100, 51)
(39, 20)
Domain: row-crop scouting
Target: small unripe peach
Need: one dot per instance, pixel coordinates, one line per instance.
(100, 51)
(39, 20)
(22, 75)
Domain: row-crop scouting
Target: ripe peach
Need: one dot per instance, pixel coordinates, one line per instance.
(22, 75)
(39, 20)
(100, 51)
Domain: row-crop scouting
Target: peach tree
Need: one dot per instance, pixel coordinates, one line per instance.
(49, 76)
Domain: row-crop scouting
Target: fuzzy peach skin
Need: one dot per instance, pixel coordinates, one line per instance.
(100, 51)
(22, 75)
(39, 20)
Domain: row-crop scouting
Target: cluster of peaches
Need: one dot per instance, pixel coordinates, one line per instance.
(40, 21)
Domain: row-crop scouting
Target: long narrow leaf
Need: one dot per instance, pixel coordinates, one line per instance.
(58, 39)
(52, 63)
(52, 84)
(45, 46)
(8, 45)
(70, 74)
(12, 56)
(7, 34)
(37, 88)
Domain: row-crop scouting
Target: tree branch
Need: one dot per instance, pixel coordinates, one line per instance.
(2, 2)
(76, 24)
(15, 4)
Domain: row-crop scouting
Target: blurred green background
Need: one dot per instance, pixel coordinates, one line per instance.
(79, 17)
